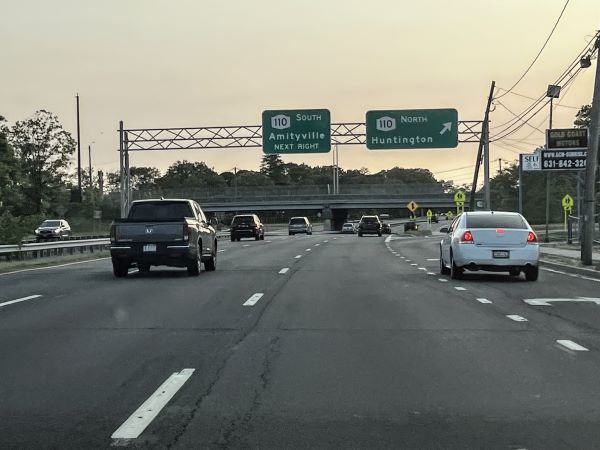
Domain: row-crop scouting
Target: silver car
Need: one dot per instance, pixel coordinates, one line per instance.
(299, 225)
(492, 241)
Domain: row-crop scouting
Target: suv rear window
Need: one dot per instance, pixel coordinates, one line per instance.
(370, 219)
(297, 221)
(161, 210)
(242, 220)
(495, 221)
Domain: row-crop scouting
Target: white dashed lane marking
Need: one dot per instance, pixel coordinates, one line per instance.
(284, 270)
(443, 280)
(147, 412)
(298, 256)
(430, 273)
(308, 249)
(19, 300)
(460, 288)
(433, 259)
(483, 300)
(516, 318)
(572, 345)
(254, 299)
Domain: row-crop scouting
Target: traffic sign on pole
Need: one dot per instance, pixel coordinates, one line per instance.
(567, 202)
(412, 206)
(296, 131)
(412, 129)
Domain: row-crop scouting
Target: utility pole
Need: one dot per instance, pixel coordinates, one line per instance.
(520, 183)
(486, 165)
(78, 151)
(90, 164)
(481, 146)
(500, 165)
(235, 192)
(589, 196)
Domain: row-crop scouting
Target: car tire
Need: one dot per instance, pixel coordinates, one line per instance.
(456, 272)
(443, 269)
(238, 239)
(193, 268)
(257, 237)
(144, 268)
(120, 268)
(290, 233)
(262, 237)
(359, 234)
(232, 238)
(310, 234)
(532, 273)
(211, 264)
(379, 234)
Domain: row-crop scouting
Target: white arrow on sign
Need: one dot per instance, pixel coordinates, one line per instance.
(447, 127)
(548, 301)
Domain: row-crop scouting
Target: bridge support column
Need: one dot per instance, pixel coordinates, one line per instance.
(327, 216)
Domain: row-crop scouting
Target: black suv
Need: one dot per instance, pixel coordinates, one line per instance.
(369, 225)
(247, 225)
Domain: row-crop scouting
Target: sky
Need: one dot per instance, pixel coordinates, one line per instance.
(191, 63)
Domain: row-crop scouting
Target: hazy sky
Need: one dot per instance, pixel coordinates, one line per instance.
(199, 63)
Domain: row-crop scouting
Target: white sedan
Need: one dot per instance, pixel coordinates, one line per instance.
(491, 241)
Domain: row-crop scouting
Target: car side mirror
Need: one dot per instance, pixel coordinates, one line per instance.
(444, 230)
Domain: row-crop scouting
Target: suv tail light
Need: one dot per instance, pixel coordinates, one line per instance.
(467, 237)
(531, 237)
(113, 233)
(187, 232)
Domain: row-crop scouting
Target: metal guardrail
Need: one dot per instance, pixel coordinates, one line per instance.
(52, 245)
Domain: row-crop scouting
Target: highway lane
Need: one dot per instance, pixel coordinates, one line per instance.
(351, 347)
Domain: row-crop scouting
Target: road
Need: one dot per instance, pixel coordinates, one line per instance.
(359, 344)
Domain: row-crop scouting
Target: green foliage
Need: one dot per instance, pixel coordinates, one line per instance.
(583, 117)
(14, 228)
(273, 167)
(190, 174)
(43, 149)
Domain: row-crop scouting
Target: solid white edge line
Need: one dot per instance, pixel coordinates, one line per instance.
(516, 318)
(572, 275)
(147, 412)
(572, 345)
(19, 300)
(254, 299)
(284, 270)
(483, 300)
(53, 267)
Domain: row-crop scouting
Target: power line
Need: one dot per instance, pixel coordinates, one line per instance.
(540, 52)
(531, 98)
(515, 115)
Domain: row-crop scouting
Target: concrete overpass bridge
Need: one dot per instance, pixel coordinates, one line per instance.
(312, 200)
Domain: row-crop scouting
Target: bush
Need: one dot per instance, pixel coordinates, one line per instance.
(14, 229)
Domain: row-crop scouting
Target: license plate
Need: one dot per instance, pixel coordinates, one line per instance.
(150, 247)
(500, 254)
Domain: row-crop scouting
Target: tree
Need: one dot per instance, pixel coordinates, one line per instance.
(9, 172)
(273, 167)
(190, 174)
(583, 117)
(43, 149)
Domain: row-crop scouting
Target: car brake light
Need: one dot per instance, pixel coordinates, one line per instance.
(499, 230)
(467, 237)
(187, 232)
(113, 233)
(531, 237)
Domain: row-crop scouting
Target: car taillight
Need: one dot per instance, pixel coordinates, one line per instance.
(113, 233)
(187, 232)
(531, 237)
(499, 230)
(467, 237)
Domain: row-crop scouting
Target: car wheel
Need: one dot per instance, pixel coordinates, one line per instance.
(120, 268)
(257, 237)
(193, 268)
(359, 234)
(262, 237)
(379, 234)
(144, 267)
(211, 264)
(443, 269)
(232, 238)
(455, 271)
(238, 239)
(532, 273)
(514, 272)
(290, 233)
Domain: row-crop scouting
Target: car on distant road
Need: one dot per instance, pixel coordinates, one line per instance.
(299, 225)
(348, 227)
(492, 241)
(369, 225)
(163, 232)
(411, 225)
(53, 230)
(386, 228)
(247, 226)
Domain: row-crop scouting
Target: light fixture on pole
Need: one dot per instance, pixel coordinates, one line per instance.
(585, 62)
(552, 92)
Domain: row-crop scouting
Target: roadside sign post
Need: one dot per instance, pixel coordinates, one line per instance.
(411, 129)
(412, 206)
(567, 204)
(459, 199)
(296, 131)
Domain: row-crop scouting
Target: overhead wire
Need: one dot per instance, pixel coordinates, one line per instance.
(541, 50)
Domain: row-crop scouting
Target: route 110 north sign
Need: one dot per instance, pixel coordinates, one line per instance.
(296, 131)
(412, 129)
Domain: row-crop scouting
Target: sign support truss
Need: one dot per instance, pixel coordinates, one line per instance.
(240, 136)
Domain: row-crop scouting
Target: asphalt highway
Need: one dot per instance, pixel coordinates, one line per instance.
(360, 343)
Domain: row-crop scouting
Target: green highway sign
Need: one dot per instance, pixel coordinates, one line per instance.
(412, 129)
(296, 131)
